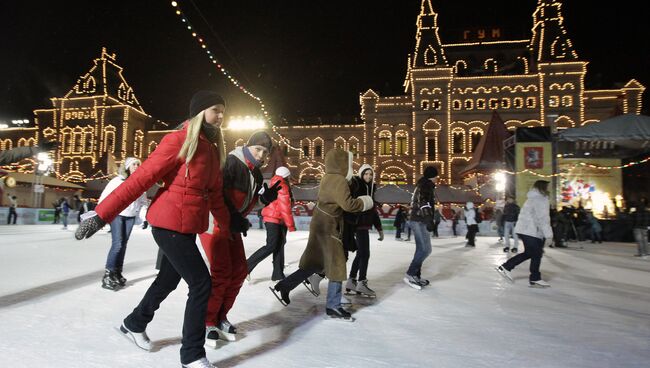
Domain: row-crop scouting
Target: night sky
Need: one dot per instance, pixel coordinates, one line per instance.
(304, 58)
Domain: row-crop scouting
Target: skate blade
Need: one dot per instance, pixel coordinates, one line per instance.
(311, 290)
(275, 293)
(414, 286)
(211, 343)
(539, 286)
(369, 296)
(129, 337)
(330, 318)
(227, 336)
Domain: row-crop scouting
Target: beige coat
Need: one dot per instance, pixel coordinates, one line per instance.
(324, 250)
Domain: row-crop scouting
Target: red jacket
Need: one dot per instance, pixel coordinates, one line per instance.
(279, 211)
(189, 191)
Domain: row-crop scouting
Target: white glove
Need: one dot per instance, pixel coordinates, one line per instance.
(368, 203)
(548, 242)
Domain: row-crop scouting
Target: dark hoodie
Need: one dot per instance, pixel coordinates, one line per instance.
(358, 187)
(424, 196)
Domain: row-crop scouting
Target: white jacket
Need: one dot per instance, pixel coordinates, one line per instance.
(470, 214)
(534, 217)
(133, 209)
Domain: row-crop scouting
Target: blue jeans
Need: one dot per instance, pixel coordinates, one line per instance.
(422, 247)
(120, 231)
(334, 294)
(510, 230)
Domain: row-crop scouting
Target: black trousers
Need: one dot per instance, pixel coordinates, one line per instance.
(181, 259)
(360, 263)
(12, 213)
(471, 234)
(276, 238)
(290, 282)
(435, 228)
(533, 250)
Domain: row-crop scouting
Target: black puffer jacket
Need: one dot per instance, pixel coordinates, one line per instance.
(364, 220)
(423, 202)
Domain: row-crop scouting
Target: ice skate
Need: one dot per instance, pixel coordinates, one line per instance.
(339, 315)
(201, 363)
(539, 284)
(506, 250)
(412, 282)
(505, 273)
(363, 289)
(282, 296)
(350, 286)
(313, 284)
(121, 280)
(140, 339)
(109, 281)
(211, 337)
(513, 250)
(226, 331)
(421, 281)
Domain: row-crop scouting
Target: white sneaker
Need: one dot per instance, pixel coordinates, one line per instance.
(539, 284)
(412, 282)
(201, 363)
(140, 339)
(505, 273)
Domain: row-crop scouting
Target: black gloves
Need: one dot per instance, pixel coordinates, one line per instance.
(270, 194)
(88, 227)
(427, 214)
(239, 223)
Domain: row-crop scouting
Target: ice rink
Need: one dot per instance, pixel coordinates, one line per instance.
(54, 313)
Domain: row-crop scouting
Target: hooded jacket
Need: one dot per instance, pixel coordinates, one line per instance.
(534, 218)
(279, 211)
(131, 210)
(324, 250)
(241, 182)
(358, 187)
(470, 214)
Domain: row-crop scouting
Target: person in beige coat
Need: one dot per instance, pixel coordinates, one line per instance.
(324, 252)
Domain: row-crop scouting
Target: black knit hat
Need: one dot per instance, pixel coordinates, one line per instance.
(260, 138)
(430, 172)
(203, 100)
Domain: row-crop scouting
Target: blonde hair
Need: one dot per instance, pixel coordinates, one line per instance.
(192, 140)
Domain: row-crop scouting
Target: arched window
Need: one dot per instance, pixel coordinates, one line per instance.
(475, 137)
(152, 147)
(401, 143)
(339, 143)
(88, 140)
(458, 139)
(353, 145)
(6, 144)
(318, 148)
(77, 141)
(138, 143)
(384, 143)
(109, 139)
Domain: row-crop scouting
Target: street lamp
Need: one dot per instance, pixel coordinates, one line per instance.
(43, 168)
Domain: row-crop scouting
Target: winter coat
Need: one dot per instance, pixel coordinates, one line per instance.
(423, 201)
(241, 182)
(134, 208)
(470, 214)
(280, 210)
(358, 187)
(535, 219)
(324, 250)
(189, 191)
(510, 212)
(641, 218)
(400, 218)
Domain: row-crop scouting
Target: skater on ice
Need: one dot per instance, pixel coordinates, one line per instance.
(188, 162)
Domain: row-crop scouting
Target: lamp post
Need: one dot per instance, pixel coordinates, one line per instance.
(43, 168)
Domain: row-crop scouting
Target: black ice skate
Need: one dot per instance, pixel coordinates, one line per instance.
(110, 281)
(339, 315)
(282, 296)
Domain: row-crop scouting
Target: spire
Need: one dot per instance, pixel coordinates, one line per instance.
(550, 41)
(105, 79)
(428, 48)
(488, 156)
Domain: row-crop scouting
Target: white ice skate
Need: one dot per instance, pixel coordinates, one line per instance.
(505, 273)
(201, 363)
(412, 282)
(211, 336)
(227, 331)
(140, 339)
(363, 289)
(350, 286)
(313, 284)
(539, 284)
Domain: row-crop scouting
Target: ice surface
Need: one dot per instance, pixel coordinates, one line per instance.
(53, 312)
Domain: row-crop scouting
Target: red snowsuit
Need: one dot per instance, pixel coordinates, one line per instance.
(228, 268)
(279, 211)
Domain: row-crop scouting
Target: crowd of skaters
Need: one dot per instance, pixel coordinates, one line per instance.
(210, 192)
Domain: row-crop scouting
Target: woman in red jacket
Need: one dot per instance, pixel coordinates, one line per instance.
(188, 162)
(278, 218)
